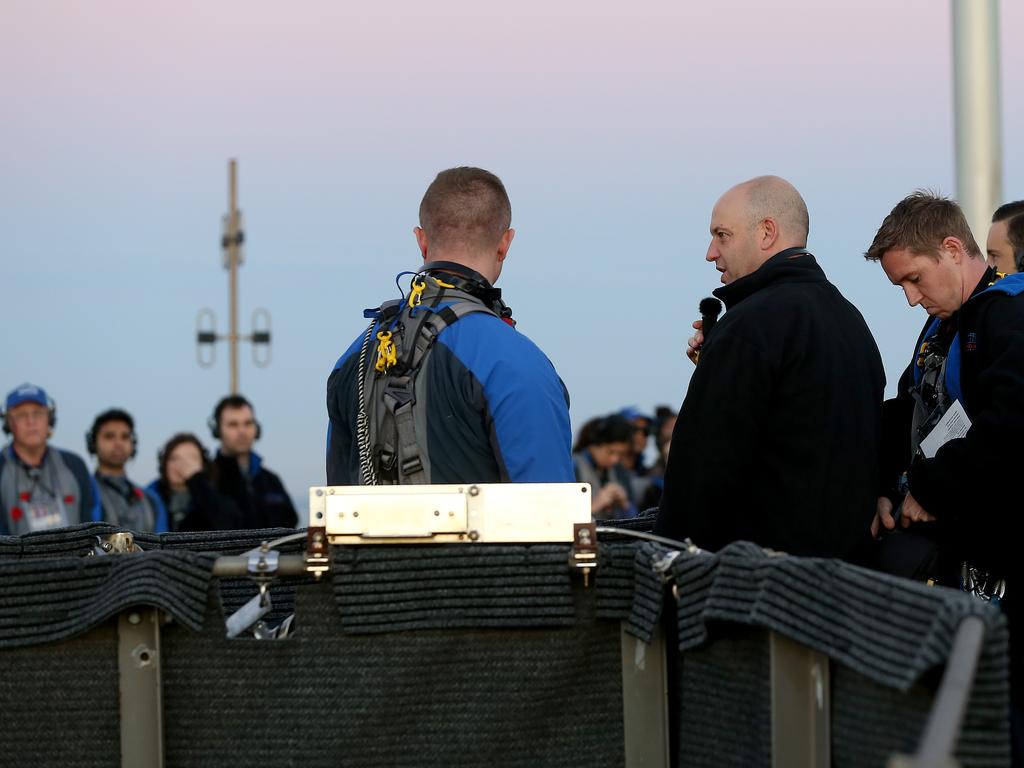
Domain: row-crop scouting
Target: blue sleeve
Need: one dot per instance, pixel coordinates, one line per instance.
(96, 512)
(527, 400)
(341, 424)
(163, 523)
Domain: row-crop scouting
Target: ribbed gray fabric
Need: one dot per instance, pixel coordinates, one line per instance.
(59, 703)
(891, 631)
(383, 589)
(56, 598)
(522, 698)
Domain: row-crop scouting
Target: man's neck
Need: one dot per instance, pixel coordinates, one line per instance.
(109, 471)
(31, 456)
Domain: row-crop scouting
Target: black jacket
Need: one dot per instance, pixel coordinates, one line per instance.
(966, 485)
(260, 497)
(777, 439)
(208, 509)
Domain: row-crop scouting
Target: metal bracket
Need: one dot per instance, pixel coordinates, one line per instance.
(114, 544)
(801, 706)
(584, 549)
(140, 686)
(318, 561)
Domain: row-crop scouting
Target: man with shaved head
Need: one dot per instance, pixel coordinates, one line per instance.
(778, 436)
(441, 387)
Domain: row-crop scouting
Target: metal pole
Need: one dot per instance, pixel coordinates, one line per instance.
(233, 274)
(979, 158)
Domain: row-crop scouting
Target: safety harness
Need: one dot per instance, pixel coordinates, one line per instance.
(391, 418)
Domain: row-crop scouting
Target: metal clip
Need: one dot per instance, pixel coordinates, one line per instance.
(318, 562)
(584, 549)
(114, 544)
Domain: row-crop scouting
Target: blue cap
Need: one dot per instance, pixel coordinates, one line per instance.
(632, 413)
(26, 393)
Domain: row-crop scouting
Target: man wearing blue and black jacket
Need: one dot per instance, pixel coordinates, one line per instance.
(441, 387)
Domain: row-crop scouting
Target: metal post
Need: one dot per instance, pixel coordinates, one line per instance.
(800, 705)
(979, 158)
(645, 701)
(138, 658)
(232, 246)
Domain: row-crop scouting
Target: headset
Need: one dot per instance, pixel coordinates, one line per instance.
(231, 401)
(51, 416)
(113, 414)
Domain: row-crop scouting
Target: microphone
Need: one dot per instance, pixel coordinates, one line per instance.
(709, 309)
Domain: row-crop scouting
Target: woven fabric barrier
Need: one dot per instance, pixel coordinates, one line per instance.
(891, 635)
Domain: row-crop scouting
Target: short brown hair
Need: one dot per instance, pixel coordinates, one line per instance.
(920, 222)
(465, 206)
(1015, 233)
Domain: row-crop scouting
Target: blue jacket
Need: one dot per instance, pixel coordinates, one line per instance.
(497, 410)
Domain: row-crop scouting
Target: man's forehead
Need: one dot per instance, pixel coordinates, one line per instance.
(239, 412)
(115, 424)
(728, 208)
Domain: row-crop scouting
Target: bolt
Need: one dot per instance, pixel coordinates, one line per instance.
(134, 618)
(474, 491)
(355, 514)
(107, 546)
(437, 513)
(474, 535)
(319, 515)
(319, 491)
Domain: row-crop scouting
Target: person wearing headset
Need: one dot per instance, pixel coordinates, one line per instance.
(113, 442)
(1015, 236)
(998, 247)
(442, 388)
(238, 471)
(185, 488)
(41, 487)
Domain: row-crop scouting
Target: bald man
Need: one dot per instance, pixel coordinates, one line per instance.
(777, 439)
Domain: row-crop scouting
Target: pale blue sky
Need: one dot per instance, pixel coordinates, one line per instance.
(614, 126)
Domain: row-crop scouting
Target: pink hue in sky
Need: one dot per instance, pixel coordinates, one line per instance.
(615, 127)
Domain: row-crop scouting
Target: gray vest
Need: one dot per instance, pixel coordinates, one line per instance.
(125, 504)
(393, 401)
(38, 498)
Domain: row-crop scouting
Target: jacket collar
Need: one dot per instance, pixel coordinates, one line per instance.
(793, 265)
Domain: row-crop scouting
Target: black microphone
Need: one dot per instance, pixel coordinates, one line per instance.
(709, 309)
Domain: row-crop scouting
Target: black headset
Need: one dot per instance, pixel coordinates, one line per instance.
(51, 415)
(113, 414)
(231, 401)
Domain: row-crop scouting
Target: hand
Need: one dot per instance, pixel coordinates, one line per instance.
(611, 495)
(883, 516)
(188, 464)
(913, 512)
(695, 342)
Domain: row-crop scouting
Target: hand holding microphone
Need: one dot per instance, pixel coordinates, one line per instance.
(709, 309)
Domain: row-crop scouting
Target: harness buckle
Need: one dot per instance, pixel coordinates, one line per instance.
(399, 389)
(411, 465)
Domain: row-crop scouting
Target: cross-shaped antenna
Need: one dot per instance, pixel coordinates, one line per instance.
(206, 322)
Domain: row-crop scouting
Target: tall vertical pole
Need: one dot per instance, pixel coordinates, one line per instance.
(979, 159)
(233, 246)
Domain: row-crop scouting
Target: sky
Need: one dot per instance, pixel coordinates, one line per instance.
(614, 126)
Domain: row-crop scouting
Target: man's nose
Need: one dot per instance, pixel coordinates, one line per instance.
(913, 296)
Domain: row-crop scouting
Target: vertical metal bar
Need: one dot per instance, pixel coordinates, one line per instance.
(233, 273)
(138, 658)
(800, 705)
(645, 701)
(979, 159)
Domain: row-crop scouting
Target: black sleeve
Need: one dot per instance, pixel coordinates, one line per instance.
(712, 446)
(210, 510)
(960, 485)
(895, 455)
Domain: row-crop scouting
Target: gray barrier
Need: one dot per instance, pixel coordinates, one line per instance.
(477, 654)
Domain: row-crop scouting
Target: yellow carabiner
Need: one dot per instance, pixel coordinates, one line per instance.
(416, 294)
(386, 356)
(442, 283)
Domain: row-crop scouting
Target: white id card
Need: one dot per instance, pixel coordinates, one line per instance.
(953, 424)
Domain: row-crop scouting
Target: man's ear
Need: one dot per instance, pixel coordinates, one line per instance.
(421, 240)
(769, 233)
(505, 243)
(954, 246)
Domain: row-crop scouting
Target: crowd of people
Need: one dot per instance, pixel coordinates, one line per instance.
(782, 439)
(44, 487)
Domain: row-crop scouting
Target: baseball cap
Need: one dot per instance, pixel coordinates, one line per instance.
(26, 393)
